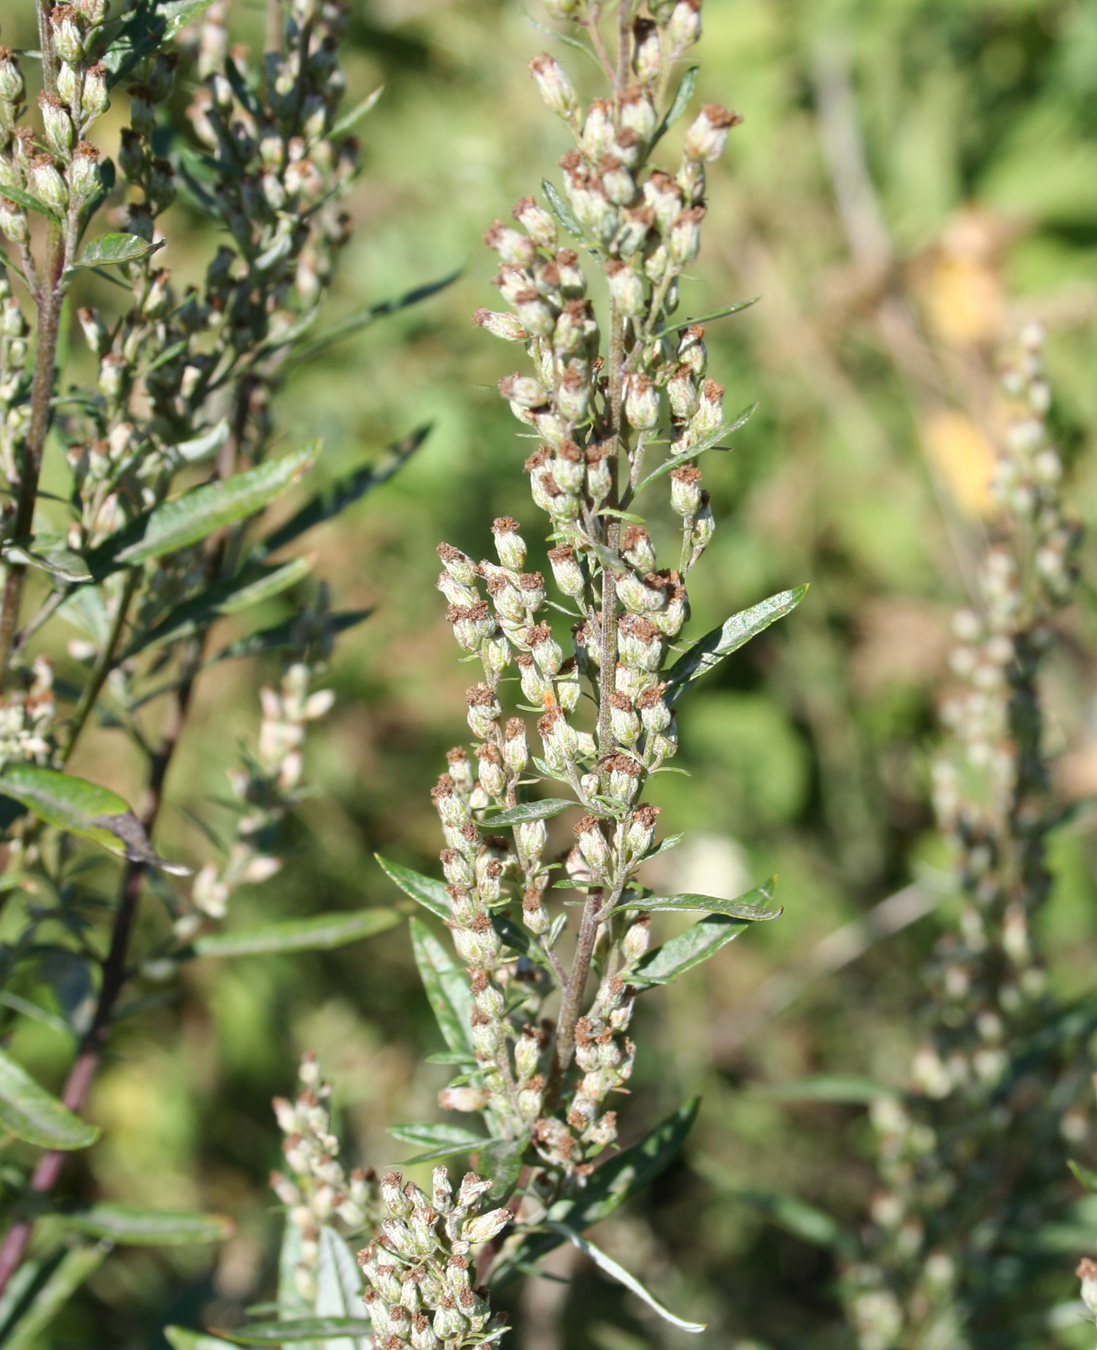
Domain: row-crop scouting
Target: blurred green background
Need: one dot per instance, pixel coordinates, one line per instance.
(914, 179)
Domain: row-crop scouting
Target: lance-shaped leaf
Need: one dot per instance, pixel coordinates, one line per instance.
(680, 104)
(284, 636)
(365, 317)
(439, 1141)
(113, 249)
(700, 941)
(710, 442)
(182, 1338)
(132, 1226)
(250, 586)
(542, 810)
(54, 558)
(70, 1272)
(750, 906)
(35, 1115)
(426, 891)
(1085, 1176)
(79, 807)
(446, 986)
(199, 512)
(291, 1302)
(319, 933)
(728, 638)
(337, 496)
(788, 1212)
(350, 119)
(297, 1329)
(564, 214)
(617, 1272)
(610, 1185)
(29, 203)
(842, 1088)
(724, 313)
(339, 1288)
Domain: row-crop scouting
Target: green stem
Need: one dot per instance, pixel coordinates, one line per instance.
(103, 665)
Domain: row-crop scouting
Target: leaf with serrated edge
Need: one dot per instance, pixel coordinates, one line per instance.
(198, 512)
(745, 906)
(728, 638)
(608, 1187)
(76, 1266)
(446, 987)
(113, 249)
(78, 807)
(297, 1329)
(700, 941)
(319, 933)
(542, 810)
(130, 1225)
(425, 891)
(35, 1115)
(622, 1276)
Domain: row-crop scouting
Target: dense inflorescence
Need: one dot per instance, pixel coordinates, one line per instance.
(964, 1160)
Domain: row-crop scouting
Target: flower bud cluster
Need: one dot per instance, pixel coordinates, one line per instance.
(421, 1284)
(316, 1189)
(27, 716)
(991, 795)
(267, 789)
(15, 377)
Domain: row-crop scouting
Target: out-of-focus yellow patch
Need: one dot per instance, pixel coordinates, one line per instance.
(963, 457)
(960, 284)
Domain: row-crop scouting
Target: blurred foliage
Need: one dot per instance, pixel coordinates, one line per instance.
(863, 472)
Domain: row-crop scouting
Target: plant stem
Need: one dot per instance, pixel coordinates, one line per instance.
(103, 665)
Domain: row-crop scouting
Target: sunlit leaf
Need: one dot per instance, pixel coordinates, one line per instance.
(113, 249)
(617, 1272)
(728, 638)
(130, 1225)
(501, 1160)
(364, 317)
(749, 906)
(1085, 1176)
(710, 442)
(350, 119)
(339, 1288)
(297, 1329)
(78, 807)
(438, 1141)
(542, 810)
(681, 103)
(34, 1115)
(320, 932)
(181, 1338)
(426, 891)
(29, 203)
(57, 560)
(199, 512)
(681, 953)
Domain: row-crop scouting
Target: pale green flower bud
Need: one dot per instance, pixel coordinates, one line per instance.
(13, 221)
(94, 98)
(536, 221)
(68, 40)
(683, 27)
(512, 246)
(534, 914)
(647, 56)
(486, 1226)
(641, 402)
(84, 176)
(599, 473)
(619, 184)
(662, 194)
(598, 130)
(492, 775)
(566, 571)
(12, 87)
(515, 748)
(635, 226)
(626, 288)
(466, 1099)
(523, 390)
(46, 182)
(592, 844)
(684, 241)
(500, 324)
(707, 136)
(483, 710)
(709, 416)
(685, 489)
(509, 544)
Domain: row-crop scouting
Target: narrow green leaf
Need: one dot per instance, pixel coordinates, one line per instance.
(197, 513)
(182, 1338)
(350, 119)
(205, 443)
(795, 1216)
(710, 442)
(129, 1225)
(439, 1141)
(449, 1057)
(58, 561)
(29, 203)
(542, 810)
(178, 13)
(67, 1276)
(113, 249)
(1085, 1177)
(702, 940)
(746, 906)
(285, 636)
(610, 1185)
(564, 38)
(35, 1115)
(17, 1290)
(337, 496)
(426, 891)
(728, 638)
(678, 107)
(563, 213)
(847, 1090)
(501, 1160)
(364, 317)
(297, 1329)
(291, 1302)
(79, 807)
(724, 313)
(253, 584)
(446, 987)
(339, 1288)
(320, 932)
(622, 1276)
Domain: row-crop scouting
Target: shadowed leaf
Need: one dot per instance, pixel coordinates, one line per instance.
(35, 1115)
(321, 932)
